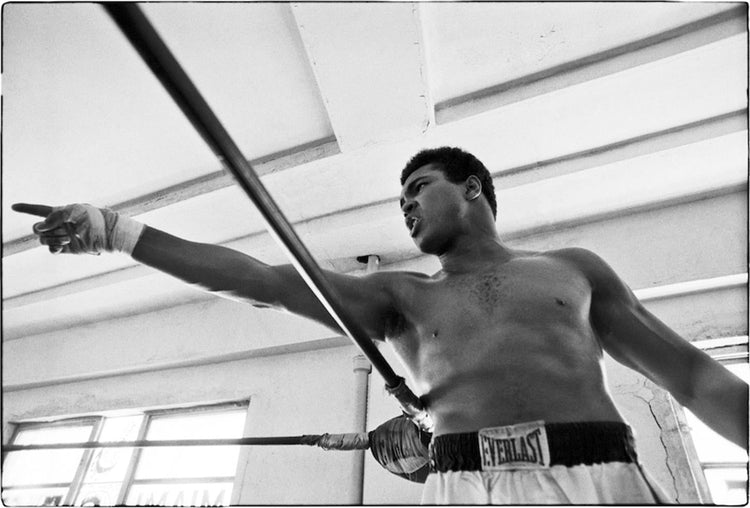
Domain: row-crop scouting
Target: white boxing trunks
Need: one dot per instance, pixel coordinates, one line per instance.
(538, 463)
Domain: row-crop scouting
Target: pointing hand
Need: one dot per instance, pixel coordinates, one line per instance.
(82, 228)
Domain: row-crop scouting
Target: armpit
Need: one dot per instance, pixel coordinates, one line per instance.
(395, 324)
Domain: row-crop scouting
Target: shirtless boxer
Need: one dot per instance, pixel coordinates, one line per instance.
(497, 341)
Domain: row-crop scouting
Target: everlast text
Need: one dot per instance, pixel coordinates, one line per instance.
(524, 450)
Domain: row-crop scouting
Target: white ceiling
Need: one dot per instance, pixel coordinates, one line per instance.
(479, 45)
(578, 108)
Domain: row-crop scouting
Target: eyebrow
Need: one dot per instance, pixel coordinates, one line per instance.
(410, 187)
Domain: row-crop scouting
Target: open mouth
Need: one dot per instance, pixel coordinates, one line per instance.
(413, 224)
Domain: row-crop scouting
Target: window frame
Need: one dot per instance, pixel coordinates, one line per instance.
(74, 486)
(148, 417)
(97, 421)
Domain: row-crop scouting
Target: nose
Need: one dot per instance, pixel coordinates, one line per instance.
(407, 207)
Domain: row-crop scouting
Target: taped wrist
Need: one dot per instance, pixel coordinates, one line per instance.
(123, 233)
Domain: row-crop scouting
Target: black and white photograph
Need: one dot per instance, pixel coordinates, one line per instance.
(374, 253)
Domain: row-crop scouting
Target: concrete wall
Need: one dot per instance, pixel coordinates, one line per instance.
(299, 378)
(293, 394)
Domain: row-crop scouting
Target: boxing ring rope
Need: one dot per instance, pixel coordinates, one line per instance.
(352, 441)
(141, 34)
(397, 444)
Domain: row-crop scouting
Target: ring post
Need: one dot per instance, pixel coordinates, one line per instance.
(141, 34)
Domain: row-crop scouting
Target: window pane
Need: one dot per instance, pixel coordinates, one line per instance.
(710, 446)
(187, 462)
(192, 461)
(742, 370)
(45, 466)
(121, 428)
(40, 466)
(34, 497)
(56, 434)
(98, 494)
(181, 494)
(728, 486)
(197, 425)
(110, 464)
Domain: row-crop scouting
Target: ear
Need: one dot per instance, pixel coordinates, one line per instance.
(472, 188)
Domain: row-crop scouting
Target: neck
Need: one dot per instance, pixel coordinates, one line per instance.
(474, 251)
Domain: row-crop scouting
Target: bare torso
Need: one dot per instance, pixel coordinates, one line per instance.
(506, 343)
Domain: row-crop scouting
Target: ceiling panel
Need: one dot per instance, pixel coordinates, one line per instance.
(248, 61)
(476, 45)
(368, 60)
(688, 87)
(713, 165)
(683, 88)
(685, 171)
(85, 119)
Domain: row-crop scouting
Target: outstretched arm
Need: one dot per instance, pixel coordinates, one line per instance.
(235, 275)
(226, 272)
(638, 339)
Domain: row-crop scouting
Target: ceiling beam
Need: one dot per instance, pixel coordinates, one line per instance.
(373, 92)
(526, 173)
(691, 287)
(651, 142)
(722, 342)
(673, 175)
(671, 42)
(202, 185)
(478, 126)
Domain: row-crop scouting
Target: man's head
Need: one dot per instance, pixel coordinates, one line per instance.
(457, 165)
(441, 199)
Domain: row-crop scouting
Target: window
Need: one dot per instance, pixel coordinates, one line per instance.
(195, 475)
(724, 464)
(46, 477)
(167, 476)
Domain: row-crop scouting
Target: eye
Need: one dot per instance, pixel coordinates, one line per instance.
(419, 186)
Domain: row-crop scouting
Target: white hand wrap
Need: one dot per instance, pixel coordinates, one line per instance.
(91, 230)
(122, 232)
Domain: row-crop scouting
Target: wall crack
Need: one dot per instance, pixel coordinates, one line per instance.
(648, 400)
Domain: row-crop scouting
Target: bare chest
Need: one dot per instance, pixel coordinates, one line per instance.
(533, 291)
(493, 337)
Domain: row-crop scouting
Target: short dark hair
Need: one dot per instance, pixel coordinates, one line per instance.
(457, 165)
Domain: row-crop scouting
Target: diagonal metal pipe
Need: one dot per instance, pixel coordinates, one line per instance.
(147, 42)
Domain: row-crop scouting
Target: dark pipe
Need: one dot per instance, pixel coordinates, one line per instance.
(163, 64)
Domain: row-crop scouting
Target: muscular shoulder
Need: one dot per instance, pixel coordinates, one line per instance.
(400, 288)
(400, 285)
(599, 274)
(394, 281)
(609, 291)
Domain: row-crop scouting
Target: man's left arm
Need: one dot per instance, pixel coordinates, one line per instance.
(638, 339)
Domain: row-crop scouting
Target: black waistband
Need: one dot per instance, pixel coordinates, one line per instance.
(570, 444)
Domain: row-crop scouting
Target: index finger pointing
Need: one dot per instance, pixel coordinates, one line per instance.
(38, 210)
